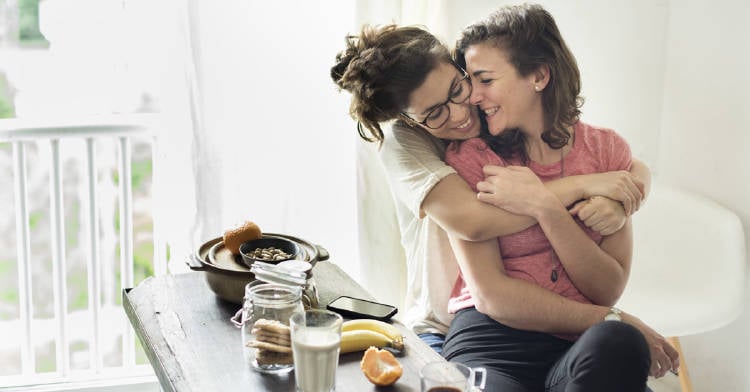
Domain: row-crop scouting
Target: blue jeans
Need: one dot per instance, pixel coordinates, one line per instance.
(434, 340)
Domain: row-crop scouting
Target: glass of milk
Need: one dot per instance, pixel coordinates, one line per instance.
(316, 339)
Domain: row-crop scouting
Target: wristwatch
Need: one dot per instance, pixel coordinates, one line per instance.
(613, 314)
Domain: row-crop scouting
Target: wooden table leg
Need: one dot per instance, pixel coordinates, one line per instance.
(684, 376)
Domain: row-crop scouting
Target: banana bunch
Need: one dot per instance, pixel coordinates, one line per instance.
(360, 334)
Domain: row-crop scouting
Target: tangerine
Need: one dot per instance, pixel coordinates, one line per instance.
(235, 236)
(380, 367)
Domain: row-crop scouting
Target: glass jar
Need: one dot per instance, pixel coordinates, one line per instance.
(266, 339)
(309, 289)
(296, 273)
(310, 293)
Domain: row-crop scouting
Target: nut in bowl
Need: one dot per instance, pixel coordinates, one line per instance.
(268, 249)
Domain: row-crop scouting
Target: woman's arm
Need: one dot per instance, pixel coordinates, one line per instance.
(606, 216)
(609, 198)
(600, 273)
(523, 305)
(642, 173)
(515, 302)
(458, 209)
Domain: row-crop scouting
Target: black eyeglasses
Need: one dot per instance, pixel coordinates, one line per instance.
(438, 116)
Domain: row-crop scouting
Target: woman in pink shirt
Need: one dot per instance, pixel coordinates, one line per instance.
(526, 82)
(528, 325)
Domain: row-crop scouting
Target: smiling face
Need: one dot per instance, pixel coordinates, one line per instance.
(428, 103)
(508, 99)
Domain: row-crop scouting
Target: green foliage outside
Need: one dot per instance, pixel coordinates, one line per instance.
(143, 256)
(6, 266)
(28, 24)
(8, 294)
(139, 171)
(72, 226)
(34, 218)
(81, 298)
(7, 108)
(143, 252)
(45, 363)
(143, 265)
(140, 353)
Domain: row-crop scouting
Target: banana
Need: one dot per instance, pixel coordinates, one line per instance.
(362, 339)
(384, 328)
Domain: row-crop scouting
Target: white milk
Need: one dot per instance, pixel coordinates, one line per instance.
(316, 356)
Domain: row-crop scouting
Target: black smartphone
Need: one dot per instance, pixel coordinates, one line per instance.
(360, 308)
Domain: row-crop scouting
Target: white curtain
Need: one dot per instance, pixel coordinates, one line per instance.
(255, 129)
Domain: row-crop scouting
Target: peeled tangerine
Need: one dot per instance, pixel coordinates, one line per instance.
(380, 367)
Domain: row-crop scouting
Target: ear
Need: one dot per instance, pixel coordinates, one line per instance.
(540, 77)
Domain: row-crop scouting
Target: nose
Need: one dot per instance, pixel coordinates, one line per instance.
(476, 94)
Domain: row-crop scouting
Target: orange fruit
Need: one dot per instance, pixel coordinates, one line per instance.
(380, 366)
(235, 236)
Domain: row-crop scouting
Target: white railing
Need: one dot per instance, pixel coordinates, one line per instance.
(20, 133)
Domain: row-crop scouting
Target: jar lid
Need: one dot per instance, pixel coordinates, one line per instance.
(278, 274)
(297, 265)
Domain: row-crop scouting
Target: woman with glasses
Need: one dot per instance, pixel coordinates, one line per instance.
(405, 74)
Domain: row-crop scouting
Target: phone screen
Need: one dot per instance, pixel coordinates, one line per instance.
(362, 307)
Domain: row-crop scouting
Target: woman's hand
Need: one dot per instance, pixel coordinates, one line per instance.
(617, 185)
(601, 214)
(664, 357)
(515, 189)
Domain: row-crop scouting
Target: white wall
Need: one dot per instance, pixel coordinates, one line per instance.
(672, 77)
(704, 147)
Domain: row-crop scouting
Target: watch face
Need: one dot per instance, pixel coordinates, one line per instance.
(613, 315)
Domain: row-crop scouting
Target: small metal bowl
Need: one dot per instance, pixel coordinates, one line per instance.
(249, 254)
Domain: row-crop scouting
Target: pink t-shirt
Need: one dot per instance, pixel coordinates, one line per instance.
(528, 255)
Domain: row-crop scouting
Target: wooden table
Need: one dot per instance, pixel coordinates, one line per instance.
(192, 345)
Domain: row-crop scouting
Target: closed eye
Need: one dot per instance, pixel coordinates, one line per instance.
(435, 114)
(457, 92)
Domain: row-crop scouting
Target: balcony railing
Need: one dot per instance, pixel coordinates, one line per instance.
(121, 133)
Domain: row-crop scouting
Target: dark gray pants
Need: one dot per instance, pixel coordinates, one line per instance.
(610, 356)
